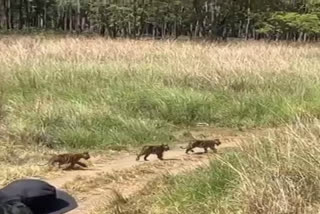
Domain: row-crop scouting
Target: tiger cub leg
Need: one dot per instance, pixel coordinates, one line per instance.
(71, 166)
(146, 156)
(205, 149)
(138, 156)
(81, 164)
(188, 150)
(214, 149)
(160, 155)
(51, 163)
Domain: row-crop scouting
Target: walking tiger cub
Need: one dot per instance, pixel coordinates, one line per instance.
(205, 144)
(153, 149)
(68, 158)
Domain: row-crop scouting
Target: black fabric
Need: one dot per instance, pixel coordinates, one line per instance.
(64, 202)
(3, 197)
(14, 207)
(39, 196)
(30, 192)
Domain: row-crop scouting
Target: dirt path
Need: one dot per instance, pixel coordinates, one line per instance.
(122, 162)
(176, 161)
(92, 187)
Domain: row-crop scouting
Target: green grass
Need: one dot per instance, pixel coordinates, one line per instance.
(88, 107)
(96, 93)
(198, 192)
(275, 174)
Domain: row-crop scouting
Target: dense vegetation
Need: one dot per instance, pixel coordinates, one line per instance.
(89, 92)
(277, 174)
(212, 19)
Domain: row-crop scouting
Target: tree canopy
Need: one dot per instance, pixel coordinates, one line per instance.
(210, 19)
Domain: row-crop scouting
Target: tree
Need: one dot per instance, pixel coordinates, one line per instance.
(209, 19)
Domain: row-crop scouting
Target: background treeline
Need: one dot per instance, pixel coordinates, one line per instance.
(212, 19)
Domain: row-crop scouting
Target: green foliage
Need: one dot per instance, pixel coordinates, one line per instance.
(265, 174)
(170, 18)
(82, 109)
(99, 93)
(201, 191)
(292, 22)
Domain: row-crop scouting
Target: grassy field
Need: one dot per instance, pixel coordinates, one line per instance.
(81, 92)
(76, 93)
(274, 174)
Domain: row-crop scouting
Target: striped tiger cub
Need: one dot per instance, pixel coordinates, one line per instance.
(205, 144)
(68, 158)
(153, 149)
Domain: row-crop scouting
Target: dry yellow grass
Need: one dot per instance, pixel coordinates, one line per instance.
(204, 59)
(91, 92)
(65, 72)
(19, 161)
(52, 82)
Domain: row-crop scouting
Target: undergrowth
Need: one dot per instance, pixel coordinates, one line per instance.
(274, 174)
(91, 92)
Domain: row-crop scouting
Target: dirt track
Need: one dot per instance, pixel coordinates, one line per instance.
(92, 190)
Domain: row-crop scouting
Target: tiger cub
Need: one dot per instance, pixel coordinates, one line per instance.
(205, 144)
(68, 158)
(153, 149)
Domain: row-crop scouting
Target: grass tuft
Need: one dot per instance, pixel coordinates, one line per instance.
(274, 174)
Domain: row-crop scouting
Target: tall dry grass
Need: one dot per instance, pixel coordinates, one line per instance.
(92, 92)
(199, 59)
(274, 174)
(86, 92)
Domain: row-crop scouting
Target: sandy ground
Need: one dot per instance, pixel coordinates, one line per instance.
(131, 176)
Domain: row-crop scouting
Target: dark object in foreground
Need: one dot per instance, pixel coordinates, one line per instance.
(153, 149)
(32, 196)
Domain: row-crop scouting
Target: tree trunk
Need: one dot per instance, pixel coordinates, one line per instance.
(134, 18)
(240, 28)
(78, 24)
(6, 9)
(10, 14)
(70, 19)
(163, 30)
(83, 23)
(20, 15)
(213, 24)
(196, 29)
(2, 14)
(45, 15)
(300, 36)
(248, 20)
(142, 20)
(103, 30)
(153, 31)
(65, 18)
(26, 5)
(175, 29)
(305, 37)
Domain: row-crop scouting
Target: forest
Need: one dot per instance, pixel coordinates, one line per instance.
(295, 20)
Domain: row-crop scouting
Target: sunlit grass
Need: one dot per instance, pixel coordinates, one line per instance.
(85, 92)
(277, 173)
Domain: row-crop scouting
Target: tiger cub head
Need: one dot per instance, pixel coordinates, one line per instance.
(86, 155)
(217, 142)
(165, 147)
